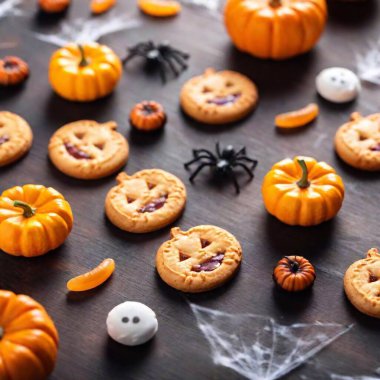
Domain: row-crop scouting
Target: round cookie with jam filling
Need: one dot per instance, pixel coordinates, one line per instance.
(200, 259)
(146, 201)
(86, 149)
(219, 97)
(16, 137)
(358, 142)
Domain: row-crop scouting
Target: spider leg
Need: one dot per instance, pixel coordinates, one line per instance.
(247, 159)
(217, 147)
(236, 183)
(199, 169)
(169, 61)
(180, 53)
(162, 67)
(245, 167)
(197, 152)
(241, 151)
(179, 60)
(187, 164)
(129, 56)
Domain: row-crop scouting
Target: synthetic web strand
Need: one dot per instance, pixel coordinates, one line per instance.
(340, 377)
(89, 30)
(368, 64)
(257, 347)
(10, 7)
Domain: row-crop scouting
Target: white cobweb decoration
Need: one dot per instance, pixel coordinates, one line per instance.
(257, 347)
(10, 7)
(89, 30)
(341, 377)
(211, 5)
(368, 64)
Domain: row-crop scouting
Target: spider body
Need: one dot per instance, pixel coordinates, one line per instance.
(223, 163)
(162, 56)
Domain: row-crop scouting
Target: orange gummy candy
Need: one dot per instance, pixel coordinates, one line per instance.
(101, 6)
(297, 118)
(160, 8)
(92, 279)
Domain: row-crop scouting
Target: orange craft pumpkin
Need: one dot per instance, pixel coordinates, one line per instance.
(302, 191)
(84, 72)
(276, 29)
(54, 6)
(33, 220)
(13, 71)
(28, 339)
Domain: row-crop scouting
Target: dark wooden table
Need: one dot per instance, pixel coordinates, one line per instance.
(179, 350)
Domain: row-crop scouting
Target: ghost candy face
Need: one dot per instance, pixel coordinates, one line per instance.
(132, 323)
(338, 85)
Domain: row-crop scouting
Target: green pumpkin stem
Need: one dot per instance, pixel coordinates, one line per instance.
(83, 61)
(29, 211)
(303, 183)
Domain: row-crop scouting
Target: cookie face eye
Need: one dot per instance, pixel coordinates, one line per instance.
(372, 278)
(183, 256)
(205, 243)
(125, 319)
(155, 205)
(75, 152)
(4, 139)
(79, 135)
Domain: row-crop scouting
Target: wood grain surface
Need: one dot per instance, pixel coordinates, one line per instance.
(179, 351)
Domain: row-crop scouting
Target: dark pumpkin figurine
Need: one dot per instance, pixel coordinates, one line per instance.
(13, 71)
(148, 116)
(294, 273)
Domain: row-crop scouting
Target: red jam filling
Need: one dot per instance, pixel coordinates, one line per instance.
(4, 139)
(209, 265)
(76, 152)
(376, 148)
(155, 205)
(224, 100)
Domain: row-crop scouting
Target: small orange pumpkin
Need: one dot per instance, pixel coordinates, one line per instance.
(148, 116)
(34, 219)
(54, 6)
(276, 29)
(160, 8)
(294, 273)
(28, 339)
(13, 71)
(302, 191)
(84, 73)
(101, 6)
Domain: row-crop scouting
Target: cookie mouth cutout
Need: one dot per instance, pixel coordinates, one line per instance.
(4, 139)
(209, 265)
(225, 100)
(154, 205)
(75, 152)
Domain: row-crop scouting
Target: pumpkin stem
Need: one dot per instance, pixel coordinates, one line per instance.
(1, 333)
(303, 183)
(29, 211)
(275, 3)
(83, 61)
(293, 265)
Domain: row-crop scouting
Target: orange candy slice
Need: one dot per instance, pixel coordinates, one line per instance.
(297, 118)
(160, 8)
(92, 279)
(101, 6)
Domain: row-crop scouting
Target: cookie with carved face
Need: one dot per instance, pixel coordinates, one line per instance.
(86, 149)
(358, 142)
(146, 201)
(16, 137)
(362, 284)
(218, 97)
(199, 259)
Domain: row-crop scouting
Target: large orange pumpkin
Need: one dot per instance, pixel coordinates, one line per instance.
(276, 29)
(33, 220)
(28, 339)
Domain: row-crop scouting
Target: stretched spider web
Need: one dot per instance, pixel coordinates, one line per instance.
(257, 347)
(88, 30)
(10, 7)
(341, 377)
(368, 64)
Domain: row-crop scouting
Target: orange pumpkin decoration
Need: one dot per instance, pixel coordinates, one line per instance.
(33, 220)
(84, 73)
(148, 116)
(28, 339)
(298, 118)
(302, 191)
(54, 6)
(101, 6)
(276, 29)
(160, 8)
(13, 71)
(294, 273)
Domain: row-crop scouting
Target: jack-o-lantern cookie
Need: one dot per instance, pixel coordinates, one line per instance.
(218, 97)
(86, 149)
(146, 201)
(16, 137)
(362, 284)
(358, 142)
(199, 259)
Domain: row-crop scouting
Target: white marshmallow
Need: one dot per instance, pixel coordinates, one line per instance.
(132, 323)
(338, 85)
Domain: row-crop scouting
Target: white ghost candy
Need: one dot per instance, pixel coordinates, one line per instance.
(132, 323)
(338, 85)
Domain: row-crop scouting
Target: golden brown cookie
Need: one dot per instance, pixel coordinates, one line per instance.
(86, 149)
(358, 142)
(199, 259)
(218, 97)
(146, 201)
(16, 137)
(362, 284)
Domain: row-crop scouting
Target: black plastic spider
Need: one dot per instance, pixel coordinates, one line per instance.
(161, 56)
(223, 163)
